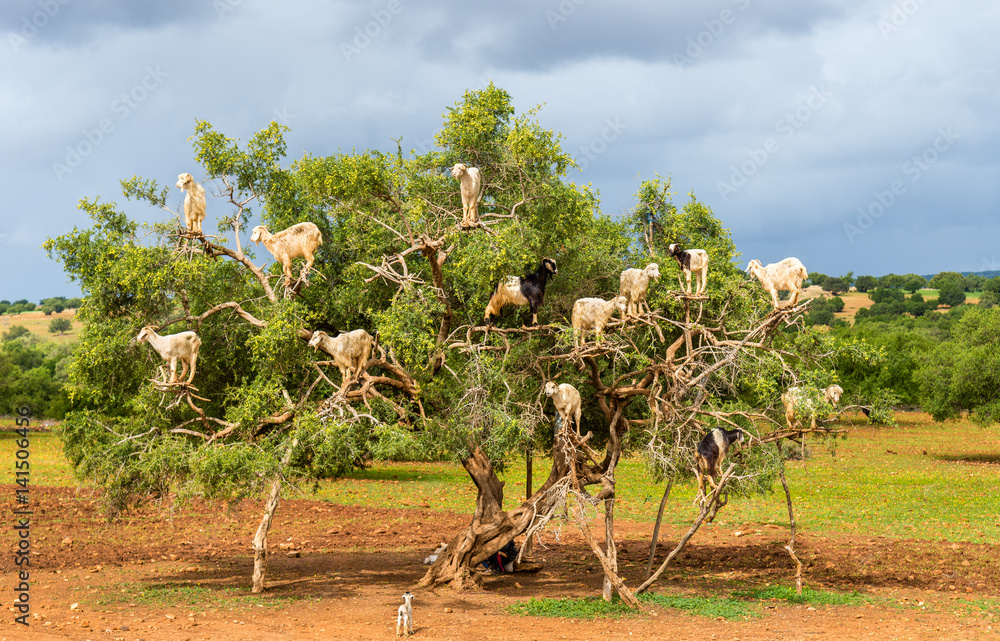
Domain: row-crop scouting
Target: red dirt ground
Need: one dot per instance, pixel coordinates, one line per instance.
(355, 562)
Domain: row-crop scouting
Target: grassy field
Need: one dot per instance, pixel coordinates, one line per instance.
(38, 324)
(920, 480)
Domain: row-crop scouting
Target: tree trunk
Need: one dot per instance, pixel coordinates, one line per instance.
(491, 527)
(260, 538)
(609, 546)
(656, 528)
(790, 548)
(526, 549)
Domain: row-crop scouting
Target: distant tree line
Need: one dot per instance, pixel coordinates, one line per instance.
(33, 373)
(47, 305)
(942, 354)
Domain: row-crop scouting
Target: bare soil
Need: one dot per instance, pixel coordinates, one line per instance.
(337, 572)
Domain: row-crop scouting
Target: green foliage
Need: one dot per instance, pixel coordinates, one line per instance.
(15, 332)
(817, 278)
(32, 374)
(883, 294)
(989, 299)
(963, 372)
(946, 277)
(913, 282)
(835, 285)
(60, 326)
(822, 310)
(951, 293)
(865, 283)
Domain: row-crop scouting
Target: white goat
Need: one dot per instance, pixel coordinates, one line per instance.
(173, 347)
(350, 350)
(298, 241)
(798, 398)
(194, 202)
(404, 618)
(787, 274)
(594, 313)
(472, 192)
(633, 285)
(692, 260)
(566, 398)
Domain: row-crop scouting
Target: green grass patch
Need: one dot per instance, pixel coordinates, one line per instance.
(188, 596)
(739, 606)
(808, 596)
(728, 608)
(49, 466)
(583, 608)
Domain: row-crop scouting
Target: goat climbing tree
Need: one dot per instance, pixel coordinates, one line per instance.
(396, 262)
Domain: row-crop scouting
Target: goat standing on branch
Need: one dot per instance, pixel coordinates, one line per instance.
(521, 290)
(298, 241)
(633, 285)
(711, 453)
(566, 398)
(594, 313)
(691, 260)
(472, 192)
(194, 202)
(350, 351)
(787, 274)
(173, 347)
(799, 400)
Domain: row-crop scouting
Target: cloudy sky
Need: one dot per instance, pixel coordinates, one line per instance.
(856, 135)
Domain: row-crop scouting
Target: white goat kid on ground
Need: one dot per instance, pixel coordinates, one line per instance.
(404, 618)
(594, 314)
(692, 261)
(633, 285)
(472, 192)
(194, 202)
(298, 241)
(799, 400)
(787, 274)
(566, 398)
(181, 347)
(350, 351)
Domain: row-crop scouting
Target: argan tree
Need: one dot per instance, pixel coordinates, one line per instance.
(264, 409)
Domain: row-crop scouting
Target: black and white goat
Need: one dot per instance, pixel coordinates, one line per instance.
(711, 453)
(692, 260)
(521, 290)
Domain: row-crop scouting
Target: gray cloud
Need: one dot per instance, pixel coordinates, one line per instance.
(693, 92)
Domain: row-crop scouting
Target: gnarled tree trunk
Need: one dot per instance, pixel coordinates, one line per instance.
(491, 527)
